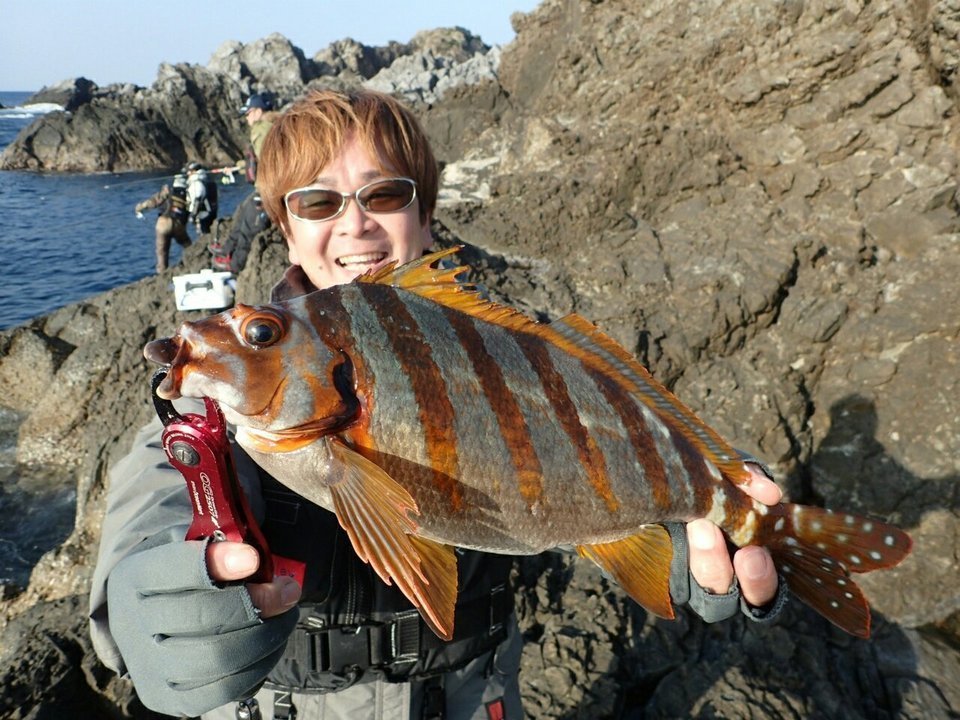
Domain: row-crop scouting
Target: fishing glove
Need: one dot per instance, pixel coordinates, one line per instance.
(684, 588)
(189, 644)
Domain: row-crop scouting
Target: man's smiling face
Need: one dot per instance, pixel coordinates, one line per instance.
(336, 251)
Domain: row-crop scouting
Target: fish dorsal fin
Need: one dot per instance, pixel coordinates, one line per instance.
(640, 564)
(442, 287)
(377, 513)
(416, 273)
(610, 357)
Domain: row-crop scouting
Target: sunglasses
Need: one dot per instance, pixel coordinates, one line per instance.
(317, 204)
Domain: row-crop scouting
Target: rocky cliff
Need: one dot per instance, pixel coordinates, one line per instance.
(758, 199)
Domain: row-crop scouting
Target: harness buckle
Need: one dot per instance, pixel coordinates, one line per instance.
(405, 637)
(340, 648)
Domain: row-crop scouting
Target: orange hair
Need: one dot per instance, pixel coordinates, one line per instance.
(307, 135)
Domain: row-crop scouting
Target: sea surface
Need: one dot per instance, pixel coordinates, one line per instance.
(65, 237)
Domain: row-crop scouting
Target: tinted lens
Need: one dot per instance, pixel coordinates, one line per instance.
(386, 196)
(314, 203)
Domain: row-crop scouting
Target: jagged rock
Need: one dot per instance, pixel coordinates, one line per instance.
(759, 200)
(190, 112)
(277, 65)
(70, 94)
(439, 60)
(348, 59)
(187, 114)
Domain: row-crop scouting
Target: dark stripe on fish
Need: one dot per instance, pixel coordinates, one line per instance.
(664, 404)
(640, 438)
(513, 426)
(555, 389)
(412, 352)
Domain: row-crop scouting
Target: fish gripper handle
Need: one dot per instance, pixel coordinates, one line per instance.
(198, 447)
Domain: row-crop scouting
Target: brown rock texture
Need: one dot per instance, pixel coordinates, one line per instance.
(758, 199)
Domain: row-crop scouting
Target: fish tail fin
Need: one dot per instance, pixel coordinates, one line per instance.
(816, 550)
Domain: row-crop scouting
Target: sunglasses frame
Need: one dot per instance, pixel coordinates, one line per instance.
(355, 196)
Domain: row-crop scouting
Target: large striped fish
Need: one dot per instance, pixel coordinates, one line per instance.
(427, 417)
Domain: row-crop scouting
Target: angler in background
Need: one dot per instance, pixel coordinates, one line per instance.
(202, 196)
(177, 616)
(173, 202)
(249, 219)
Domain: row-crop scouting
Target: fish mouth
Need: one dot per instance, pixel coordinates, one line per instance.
(163, 352)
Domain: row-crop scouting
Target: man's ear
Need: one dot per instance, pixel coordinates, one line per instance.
(292, 255)
(426, 235)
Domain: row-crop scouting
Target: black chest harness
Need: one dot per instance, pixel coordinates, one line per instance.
(355, 627)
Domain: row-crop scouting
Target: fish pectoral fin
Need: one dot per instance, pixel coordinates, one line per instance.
(640, 564)
(378, 515)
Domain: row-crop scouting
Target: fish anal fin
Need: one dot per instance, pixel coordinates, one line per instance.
(438, 598)
(378, 516)
(640, 564)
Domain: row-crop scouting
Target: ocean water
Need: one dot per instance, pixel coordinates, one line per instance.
(70, 236)
(65, 237)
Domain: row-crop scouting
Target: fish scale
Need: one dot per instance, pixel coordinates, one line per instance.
(427, 417)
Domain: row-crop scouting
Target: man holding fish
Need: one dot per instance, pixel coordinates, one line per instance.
(352, 182)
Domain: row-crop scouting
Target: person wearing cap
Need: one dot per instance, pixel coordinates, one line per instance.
(258, 112)
(249, 219)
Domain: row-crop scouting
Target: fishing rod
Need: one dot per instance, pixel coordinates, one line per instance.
(227, 171)
(153, 179)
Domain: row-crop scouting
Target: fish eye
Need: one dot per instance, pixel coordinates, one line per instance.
(262, 329)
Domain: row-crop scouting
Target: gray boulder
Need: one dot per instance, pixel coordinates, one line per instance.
(69, 94)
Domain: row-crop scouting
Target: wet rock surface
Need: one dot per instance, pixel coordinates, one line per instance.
(757, 199)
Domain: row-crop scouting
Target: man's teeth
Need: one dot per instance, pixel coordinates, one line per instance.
(365, 259)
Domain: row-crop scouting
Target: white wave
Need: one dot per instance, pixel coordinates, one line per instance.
(29, 111)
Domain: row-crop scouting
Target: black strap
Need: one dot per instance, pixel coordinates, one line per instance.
(401, 640)
(434, 699)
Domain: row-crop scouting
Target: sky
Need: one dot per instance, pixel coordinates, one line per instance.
(43, 42)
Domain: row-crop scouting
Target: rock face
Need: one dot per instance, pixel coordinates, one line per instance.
(758, 199)
(190, 112)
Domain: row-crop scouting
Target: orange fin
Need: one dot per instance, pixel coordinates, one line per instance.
(377, 513)
(641, 565)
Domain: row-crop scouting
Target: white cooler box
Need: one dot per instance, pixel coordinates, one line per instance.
(205, 290)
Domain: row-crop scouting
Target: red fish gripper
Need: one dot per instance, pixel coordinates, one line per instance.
(198, 447)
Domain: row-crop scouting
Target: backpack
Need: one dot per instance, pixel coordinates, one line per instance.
(176, 204)
(202, 192)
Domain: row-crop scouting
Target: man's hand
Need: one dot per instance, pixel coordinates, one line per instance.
(227, 561)
(710, 559)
